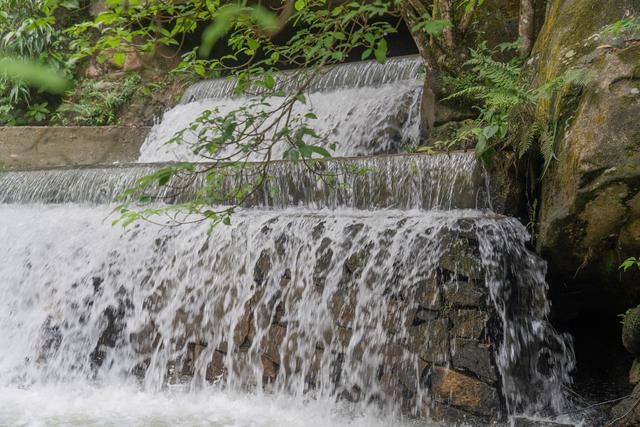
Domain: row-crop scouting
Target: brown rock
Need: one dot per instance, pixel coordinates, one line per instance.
(524, 422)
(464, 392)
(92, 71)
(627, 412)
(216, 369)
(468, 323)
(132, 61)
(427, 293)
(430, 341)
(464, 294)
(590, 192)
(271, 342)
(451, 416)
(634, 373)
(475, 357)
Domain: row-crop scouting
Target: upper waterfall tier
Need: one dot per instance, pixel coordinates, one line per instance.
(362, 108)
(443, 181)
(349, 75)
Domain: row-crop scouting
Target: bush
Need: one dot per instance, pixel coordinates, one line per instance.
(29, 30)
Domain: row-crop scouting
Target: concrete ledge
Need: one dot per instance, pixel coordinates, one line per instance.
(34, 147)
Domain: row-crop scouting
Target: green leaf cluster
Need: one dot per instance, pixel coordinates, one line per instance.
(36, 62)
(506, 103)
(629, 263)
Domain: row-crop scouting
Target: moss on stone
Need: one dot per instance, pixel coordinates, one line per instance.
(631, 331)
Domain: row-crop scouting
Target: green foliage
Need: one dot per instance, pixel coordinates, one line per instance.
(629, 263)
(496, 87)
(470, 4)
(630, 24)
(433, 27)
(30, 35)
(324, 36)
(98, 102)
(505, 102)
(23, 73)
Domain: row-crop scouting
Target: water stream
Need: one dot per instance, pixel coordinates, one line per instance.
(364, 109)
(310, 309)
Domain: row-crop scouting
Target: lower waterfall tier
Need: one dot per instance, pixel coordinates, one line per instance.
(439, 314)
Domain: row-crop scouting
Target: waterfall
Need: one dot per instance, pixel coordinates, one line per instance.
(392, 292)
(443, 181)
(362, 109)
(350, 75)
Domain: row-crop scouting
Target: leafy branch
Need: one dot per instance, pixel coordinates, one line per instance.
(629, 263)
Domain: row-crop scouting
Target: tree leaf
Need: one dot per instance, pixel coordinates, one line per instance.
(435, 27)
(119, 58)
(381, 51)
(265, 19)
(34, 74)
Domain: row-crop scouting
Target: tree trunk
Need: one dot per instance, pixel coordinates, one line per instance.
(525, 26)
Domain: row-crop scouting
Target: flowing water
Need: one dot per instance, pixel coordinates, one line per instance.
(363, 109)
(444, 181)
(303, 312)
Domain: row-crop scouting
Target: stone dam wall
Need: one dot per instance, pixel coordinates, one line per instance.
(37, 147)
(432, 353)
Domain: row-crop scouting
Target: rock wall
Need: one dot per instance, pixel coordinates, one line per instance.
(589, 217)
(423, 345)
(444, 320)
(37, 147)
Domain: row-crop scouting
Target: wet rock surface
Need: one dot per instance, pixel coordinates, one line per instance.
(589, 212)
(434, 339)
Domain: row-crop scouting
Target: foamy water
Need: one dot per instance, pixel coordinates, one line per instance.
(123, 406)
(358, 121)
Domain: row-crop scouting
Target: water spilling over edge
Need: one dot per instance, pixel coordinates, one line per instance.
(349, 75)
(444, 181)
(349, 122)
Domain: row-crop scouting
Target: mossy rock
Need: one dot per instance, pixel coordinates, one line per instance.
(634, 373)
(631, 331)
(586, 216)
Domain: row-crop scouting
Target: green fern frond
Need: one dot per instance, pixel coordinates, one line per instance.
(547, 147)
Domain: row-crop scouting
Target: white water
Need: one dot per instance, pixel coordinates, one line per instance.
(359, 121)
(444, 181)
(341, 76)
(87, 303)
(82, 405)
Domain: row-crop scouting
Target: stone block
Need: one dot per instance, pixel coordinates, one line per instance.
(474, 357)
(430, 341)
(468, 323)
(464, 392)
(464, 294)
(38, 147)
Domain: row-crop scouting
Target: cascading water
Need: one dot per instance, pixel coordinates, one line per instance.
(334, 306)
(444, 181)
(363, 109)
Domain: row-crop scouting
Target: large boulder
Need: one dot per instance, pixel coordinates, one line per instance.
(589, 218)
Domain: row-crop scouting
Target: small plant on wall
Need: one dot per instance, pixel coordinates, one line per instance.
(630, 263)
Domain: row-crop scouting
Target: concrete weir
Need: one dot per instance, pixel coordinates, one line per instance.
(36, 147)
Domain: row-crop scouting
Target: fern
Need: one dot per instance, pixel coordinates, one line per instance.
(506, 103)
